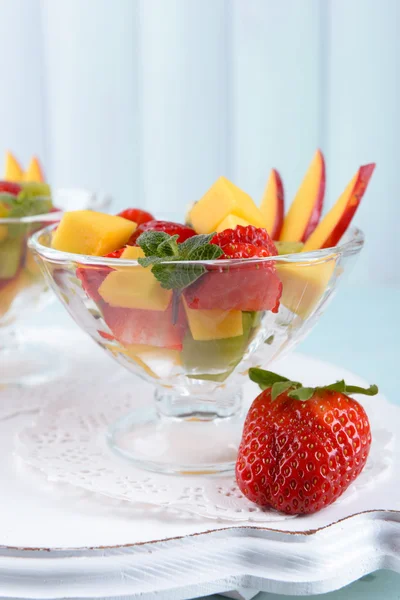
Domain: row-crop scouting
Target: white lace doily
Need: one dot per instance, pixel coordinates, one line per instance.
(68, 444)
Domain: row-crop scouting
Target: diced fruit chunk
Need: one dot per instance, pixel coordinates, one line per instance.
(182, 231)
(214, 324)
(273, 205)
(247, 287)
(10, 257)
(135, 287)
(89, 232)
(34, 171)
(222, 199)
(13, 171)
(151, 327)
(289, 247)
(306, 208)
(335, 223)
(304, 284)
(207, 357)
(230, 222)
(132, 253)
(36, 189)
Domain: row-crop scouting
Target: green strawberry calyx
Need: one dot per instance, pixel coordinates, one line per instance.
(279, 384)
(162, 252)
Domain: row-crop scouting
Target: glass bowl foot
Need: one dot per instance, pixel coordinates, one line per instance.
(175, 437)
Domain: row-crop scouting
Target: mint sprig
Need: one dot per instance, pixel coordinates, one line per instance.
(279, 384)
(162, 252)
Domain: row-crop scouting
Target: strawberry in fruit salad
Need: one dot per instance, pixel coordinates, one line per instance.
(182, 231)
(250, 287)
(302, 447)
(137, 215)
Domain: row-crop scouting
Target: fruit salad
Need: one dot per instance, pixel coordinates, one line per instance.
(195, 298)
(24, 196)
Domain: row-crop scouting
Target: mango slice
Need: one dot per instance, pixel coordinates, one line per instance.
(13, 170)
(224, 198)
(34, 171)
(213, 324)
(231, 222)
(306, 208)
(89, 232)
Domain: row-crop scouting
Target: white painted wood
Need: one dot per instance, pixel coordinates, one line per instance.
(277, 111)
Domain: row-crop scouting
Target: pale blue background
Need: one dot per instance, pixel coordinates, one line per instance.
(154, 99)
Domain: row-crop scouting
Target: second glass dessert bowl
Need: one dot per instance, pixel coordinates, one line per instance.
(196, 344)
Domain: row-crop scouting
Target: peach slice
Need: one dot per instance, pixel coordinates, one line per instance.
(273, 205)
(34, 171)
(306, 208)
(335, 223)
(13, 170)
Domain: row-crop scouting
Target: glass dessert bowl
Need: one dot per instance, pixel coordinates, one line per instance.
(194, 344)
(23, 290)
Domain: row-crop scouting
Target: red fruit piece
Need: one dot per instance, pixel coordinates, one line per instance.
(249, 287)
(137, 215)
(246, 235)
(234, 250)
(183, 231)
(300, 456)
(92, 278)
(150, 327)
(116, 253)
(8, 187)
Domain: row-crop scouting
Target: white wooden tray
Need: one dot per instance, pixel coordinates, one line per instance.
(60, 541)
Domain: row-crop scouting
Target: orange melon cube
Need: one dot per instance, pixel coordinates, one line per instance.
(93, 233)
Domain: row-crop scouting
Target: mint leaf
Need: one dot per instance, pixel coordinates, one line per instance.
(177, 276)
(209, 252)
(265, 379)
(150, 242)
(194, 242)
(169, 248)
(149, 260)
(169, 260)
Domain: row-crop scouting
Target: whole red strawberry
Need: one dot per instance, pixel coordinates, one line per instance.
(301, 447)
(169, 227)
(137, 215)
